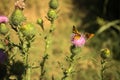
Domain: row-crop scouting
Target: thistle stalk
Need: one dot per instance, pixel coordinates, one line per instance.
(102, 69)
(105, 54)
(47, 45)
(51, 16)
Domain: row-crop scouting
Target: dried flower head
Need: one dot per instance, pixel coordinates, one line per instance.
(20, 4)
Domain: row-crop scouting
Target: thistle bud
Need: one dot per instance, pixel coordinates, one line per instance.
(17, 17)
(105, 53)
(40, 22)
(53, 4)
(28, 30)
(74, 50)
(3, 29)
(52, 14)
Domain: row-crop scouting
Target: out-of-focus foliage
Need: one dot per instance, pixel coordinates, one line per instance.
(107, 25)
(103, 19)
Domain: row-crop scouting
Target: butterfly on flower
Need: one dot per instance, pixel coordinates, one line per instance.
(79, 39)
(78, 34)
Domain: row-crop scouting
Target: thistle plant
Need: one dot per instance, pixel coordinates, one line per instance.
(51, 16)
(78, 41)
(72, 61)
(105, 54)
(26, 34)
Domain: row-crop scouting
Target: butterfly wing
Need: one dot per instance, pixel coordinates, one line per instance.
(77, 35)
(88, 35)
(75, 31)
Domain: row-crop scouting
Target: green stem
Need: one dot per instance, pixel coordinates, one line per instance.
(29, 73)
(26, 55)
(42, 64)
(26, 65)
(102, 69)
(45, 57)
(25, 49)
(69, 71)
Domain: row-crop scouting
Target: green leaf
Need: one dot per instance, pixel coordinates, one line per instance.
(107, 26)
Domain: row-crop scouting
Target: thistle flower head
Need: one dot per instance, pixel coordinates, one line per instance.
(3, 56)
(3, 19)
(78, 41)
(28, 30)
(20, 4)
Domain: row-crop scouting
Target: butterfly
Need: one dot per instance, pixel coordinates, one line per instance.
(77, 34)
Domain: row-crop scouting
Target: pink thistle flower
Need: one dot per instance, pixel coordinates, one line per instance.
(77, 40)
(3, 19)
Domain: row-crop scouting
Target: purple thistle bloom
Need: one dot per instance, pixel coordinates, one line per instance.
(3, 56)
(79, 41)
(3, 19)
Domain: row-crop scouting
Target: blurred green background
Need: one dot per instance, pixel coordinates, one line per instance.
(101, 17)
